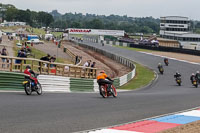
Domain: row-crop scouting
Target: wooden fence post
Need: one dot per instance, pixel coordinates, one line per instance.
(41, 64)
(63, 72)
(11, 65)
(21, 66)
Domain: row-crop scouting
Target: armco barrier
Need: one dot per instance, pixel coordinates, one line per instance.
(121, 80)
(168, 49)
(50, 83)
(10, 80)
(117, 58)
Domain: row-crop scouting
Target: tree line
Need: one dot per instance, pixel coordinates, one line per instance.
(54, 19)
(111, 22)
(32, 18)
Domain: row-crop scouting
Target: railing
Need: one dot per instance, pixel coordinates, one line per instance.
(15, 64)
(74, 58)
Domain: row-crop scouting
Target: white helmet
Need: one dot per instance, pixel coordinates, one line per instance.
(197, 71)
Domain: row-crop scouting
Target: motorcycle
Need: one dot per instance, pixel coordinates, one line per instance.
(31, 85)
(166, 62)
(195, 83)
(105, 93)
(178, 81)
(161, 70)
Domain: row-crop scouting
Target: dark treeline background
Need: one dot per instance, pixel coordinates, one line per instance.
(78, 20)
(34, 19)
(112, 22)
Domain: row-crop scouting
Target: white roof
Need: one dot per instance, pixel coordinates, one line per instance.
(183, 34)
(175, 18)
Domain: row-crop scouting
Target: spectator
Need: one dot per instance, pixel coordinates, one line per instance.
(93, 64)
(22, 54)
(44, 58)
(87, 63)
(77, 60)
(4, 53)
(52, 60)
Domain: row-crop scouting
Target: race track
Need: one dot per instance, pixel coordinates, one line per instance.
(72, 112)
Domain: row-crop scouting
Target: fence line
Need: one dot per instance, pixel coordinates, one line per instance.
(15, 64)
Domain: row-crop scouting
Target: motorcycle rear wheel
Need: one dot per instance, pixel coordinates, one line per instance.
(27, 88)
(103, 91)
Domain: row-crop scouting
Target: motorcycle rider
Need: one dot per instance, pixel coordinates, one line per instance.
(101, 79)
(31, 74)
(177, 75)
(197, 76)
(160, 66)
(192, 78)
(166, 60)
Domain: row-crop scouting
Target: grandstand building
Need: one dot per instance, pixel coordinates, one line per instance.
(178, 28)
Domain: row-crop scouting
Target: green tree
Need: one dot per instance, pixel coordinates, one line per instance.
(96, 24)
(11, 14)
(45, 19)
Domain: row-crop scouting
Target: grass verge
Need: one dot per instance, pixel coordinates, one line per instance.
(142, 78)
(143, 74)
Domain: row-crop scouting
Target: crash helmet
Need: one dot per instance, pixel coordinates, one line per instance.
(193, 74)
(28, 67)
(102, 71)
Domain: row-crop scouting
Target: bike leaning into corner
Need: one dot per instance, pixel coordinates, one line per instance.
(31, 82)
(166, 61)
(177, 77)
(194, 80)
(160, 68)
(106, 87)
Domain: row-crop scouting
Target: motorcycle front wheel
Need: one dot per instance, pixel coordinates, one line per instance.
(113, 90)
(27, 88)
(39, 89)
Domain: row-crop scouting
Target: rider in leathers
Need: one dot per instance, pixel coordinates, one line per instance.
(101, 79)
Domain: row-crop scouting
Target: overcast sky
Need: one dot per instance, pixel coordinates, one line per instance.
(133, 8)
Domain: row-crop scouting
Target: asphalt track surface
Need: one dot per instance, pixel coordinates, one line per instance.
(72, 112)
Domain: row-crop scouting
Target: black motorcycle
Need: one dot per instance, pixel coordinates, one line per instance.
(31, 85)
(178, 81)
(195, 83)
(161, 70)
(166, 62)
